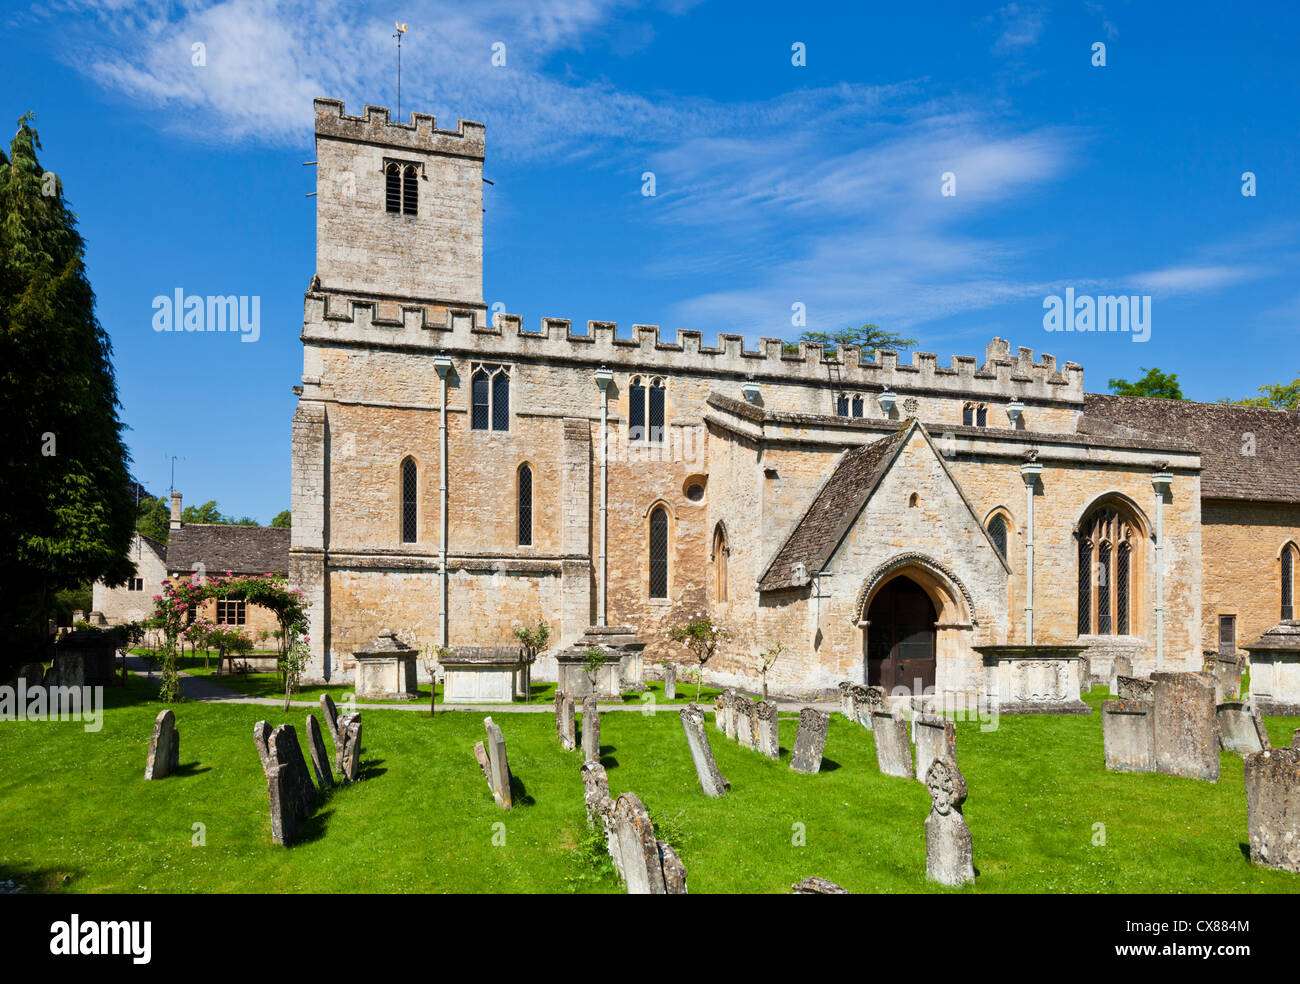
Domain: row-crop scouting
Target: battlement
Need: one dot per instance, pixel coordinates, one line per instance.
(421, 134)
(336, 318)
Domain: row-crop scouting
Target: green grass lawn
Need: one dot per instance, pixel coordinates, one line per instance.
(76, 814)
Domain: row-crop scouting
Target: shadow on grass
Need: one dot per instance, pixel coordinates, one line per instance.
(519, 792)
(191, 769)
(40, 881)
(313, 828)
(370, 769)
(828, 765)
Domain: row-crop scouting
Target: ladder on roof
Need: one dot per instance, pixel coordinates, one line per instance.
(833, 377)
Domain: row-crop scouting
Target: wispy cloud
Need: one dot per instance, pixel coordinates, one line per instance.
(1021, 27)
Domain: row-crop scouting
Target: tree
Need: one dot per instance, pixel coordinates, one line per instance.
(282, 520)
(765, 662)
(1279, 396)
(701, 636)
(868, 338)
(209, 512)
(1156, 384)
(153, 519)
(66, 516)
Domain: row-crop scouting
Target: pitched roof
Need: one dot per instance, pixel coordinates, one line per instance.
(1223, 433)
(159, 549)
(220, 547)
(833, 510)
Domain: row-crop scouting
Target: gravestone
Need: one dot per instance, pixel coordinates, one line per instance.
(320, 758)
(590, 730)
(164, 747)
(712, 781)
(331, 717)
(1273, 807)
(1134, 688)
(1227, 676)
(1295, 738)
(1119, 666)
(600, 808)
(809, 741)
(348, 751)
(642, 868)
(1128, 733)
(768, 738)
(846, 699)
(720, 713)
(818, 886)
(285, 751)
(1187, 740)
(670, 681)
(1241, 729)
(866, 701)
(949, 858)
(936, 737)
(565, 725)
(673, 869)
(284, 814)
(729, 713)
(744, 710)
(261, 738)
(893, 748)
(498, 766)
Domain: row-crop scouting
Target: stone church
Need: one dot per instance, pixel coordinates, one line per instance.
(975, 528)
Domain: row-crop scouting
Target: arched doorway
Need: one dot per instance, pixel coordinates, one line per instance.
(901, 637)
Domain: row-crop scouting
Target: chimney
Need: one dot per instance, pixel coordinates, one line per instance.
(176, 511)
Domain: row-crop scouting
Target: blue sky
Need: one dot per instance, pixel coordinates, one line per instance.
(775, 184)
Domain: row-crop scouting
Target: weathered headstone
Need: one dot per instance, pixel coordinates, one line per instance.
(893, 748)
(744, 721)
(809, 741)
(590, 729)
(600, 808)
(1120, 666)
(1241, 729)
(1134, 688)
(349, 749)
(1227, 676)
(720, 713)
(1128, 733)
(1273, 807)
(712, 781)
(1187, 740)
(673, 869)
(866, 701)
(285, 751)
(262, 738)
(670, 681)
(164, 747)
(949, 858)
(768, 738)
(818, 886)
(565, 726)
(642, 868)
(331, 717)
(936, 737)
(283, 804)
(498, 764)
(320, 758)
(846, 699)
(729, 713)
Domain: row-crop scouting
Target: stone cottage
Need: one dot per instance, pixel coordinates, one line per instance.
(921, 526)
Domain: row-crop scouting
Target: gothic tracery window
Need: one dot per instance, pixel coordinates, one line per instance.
(998, 534)
(490, 398)
(659, 552)
(401, 188)
(1108, 584)
(646, 410)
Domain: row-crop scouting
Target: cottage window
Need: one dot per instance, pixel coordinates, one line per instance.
(231, 611)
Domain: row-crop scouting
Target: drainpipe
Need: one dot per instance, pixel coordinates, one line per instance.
(1160, 481)
(443, 365)
(1029, 473)
(603, 378)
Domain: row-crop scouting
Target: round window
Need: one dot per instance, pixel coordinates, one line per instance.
(695, 491)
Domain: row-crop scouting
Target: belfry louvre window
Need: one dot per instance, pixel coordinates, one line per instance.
(998, 534)
(409, 511)
(401, 188)
(231, 611)
(659, 553)
(1108, 578)
(646, 410)
(1288, 581)
(490, 398)
(525, 506)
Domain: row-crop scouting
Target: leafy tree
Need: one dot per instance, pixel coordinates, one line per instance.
(1156, 384)
(209, 512)
(1279, 396)
(153, 519)
(868, 338)
(701, 636)
(66, 515)
(282, 520)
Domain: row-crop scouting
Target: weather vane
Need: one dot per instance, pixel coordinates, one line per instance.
(401, 29)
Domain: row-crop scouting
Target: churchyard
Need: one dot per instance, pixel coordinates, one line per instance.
(1044, 813)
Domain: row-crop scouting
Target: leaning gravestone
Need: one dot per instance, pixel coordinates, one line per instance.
(768, 739)
(809, 741)
(846, 699)
(320, 758)
(720, 713)
(590, 729)
(936, 737)
(565, 725)
(818, 886)
(893, 748)
(712, 781)
(284, 814)
(1187, 740)
(492, 758)
(1128, 735)
(1134, 688)
(164, 747)
(670, 681)
(1120, 666)
(673, 869)
(1227, 676)
(262, 738)
(729, 713)
(1273, 807)
(949, 859)
(331, 717)
(1241, 729)
(866, 701)
(348, 753)
(286, 751)
(744, 711)
(600, 808)
(642, 867)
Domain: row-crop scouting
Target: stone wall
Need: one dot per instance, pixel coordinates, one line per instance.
(1242, 543)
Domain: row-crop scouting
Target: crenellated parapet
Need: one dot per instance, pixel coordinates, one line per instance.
(438, 326)
(421, 134)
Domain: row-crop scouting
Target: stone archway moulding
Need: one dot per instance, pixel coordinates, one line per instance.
(943, 574)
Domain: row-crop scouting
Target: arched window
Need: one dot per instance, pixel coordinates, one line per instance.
(410, 190)
(1288, 581)
(1107, 585)
(525, 506)
(409, 514)
(981, 416)
(720, 563)
(975, 415)
(490, 398)
(636, 410)
(658, 422)
(659, 552)
(842, 405)
(393, 188)
(998, 534)
(501, 401)
(857, 406)
(481, 398)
